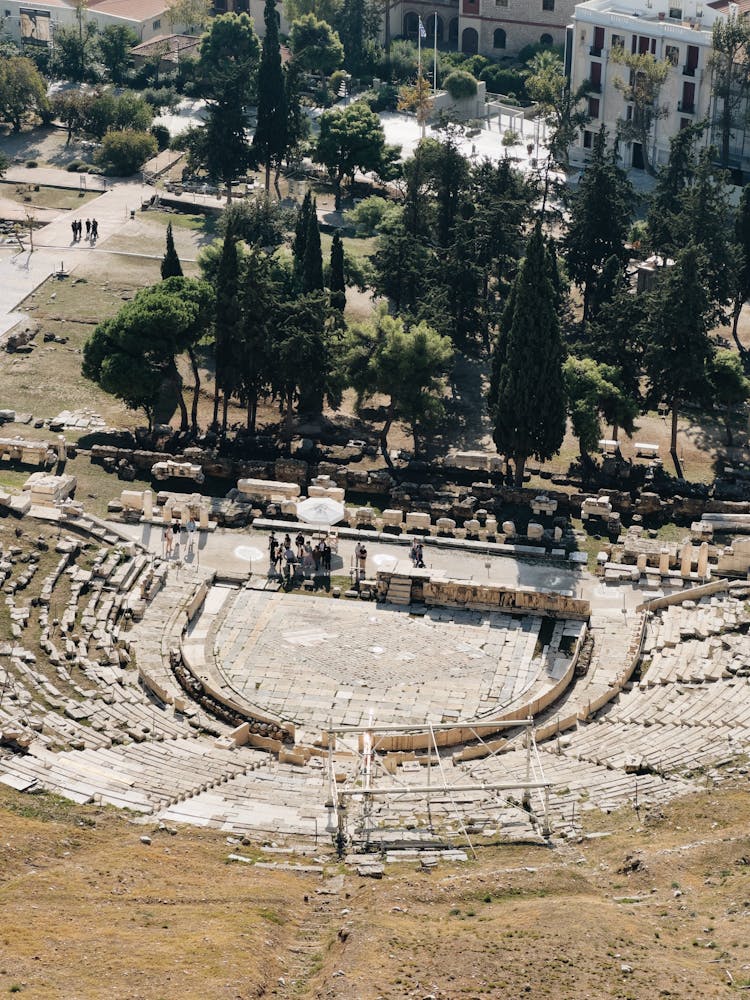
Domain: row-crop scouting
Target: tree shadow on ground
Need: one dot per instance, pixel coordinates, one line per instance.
(468, 424)
(44, 144)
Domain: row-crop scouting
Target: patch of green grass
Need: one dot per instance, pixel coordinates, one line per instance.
(62, 199)
(198, 222)
(272, 916)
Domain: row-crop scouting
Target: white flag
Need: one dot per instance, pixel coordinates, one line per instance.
(422, 32)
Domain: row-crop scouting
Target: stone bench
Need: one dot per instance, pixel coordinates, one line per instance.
(645, 450)
(419, 520)
(445, 525)
(543, 505)
(392, 518)
(267, 489)
(362, 517)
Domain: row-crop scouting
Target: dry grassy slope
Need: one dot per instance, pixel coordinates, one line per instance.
(90, 912)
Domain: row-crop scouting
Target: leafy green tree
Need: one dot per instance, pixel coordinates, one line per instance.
(271, 140)
(679, 349)
(72, 108)
(170, 262)
(22, 91)
(115, 43)
(298, 124)
(401, 267)
(4, 164)
(227, 66)
(134, 353)
(227, 327)
(600, 211)
(562, 109)
(705, 219)
(260, 292)
(730, 77)
(646, 76)
(194, 15)
(593, 394)
(124, 153)
(316, 47)
(741, 291)
(323, 10)
(351, 139)
(305, 365)
(729, 385)
(337, 279)
(257, 221)
(358, 24)
(226, 72)
(408, 365)
(76, 46)
(671, 182)
(527, 397)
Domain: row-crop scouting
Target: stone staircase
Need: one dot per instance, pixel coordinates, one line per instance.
(399, 590)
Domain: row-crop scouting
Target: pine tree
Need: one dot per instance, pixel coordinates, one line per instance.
(337, 282)
(271, 137)
(170, 262)
(529, 404)
(312, 265)
(678, 350)
(601, 209)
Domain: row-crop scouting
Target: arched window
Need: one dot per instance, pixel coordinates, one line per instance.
(411, 25)
(546, 39)
(498, 39)
(470, 41)
(453, 31)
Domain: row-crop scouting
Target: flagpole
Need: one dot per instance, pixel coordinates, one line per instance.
(434, 58)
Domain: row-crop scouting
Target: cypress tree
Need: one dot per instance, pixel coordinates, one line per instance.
(529, 400)
(312, 265)
(170, 262)
(227, 324)
(337, 282)
(299, 243)
(271, 136)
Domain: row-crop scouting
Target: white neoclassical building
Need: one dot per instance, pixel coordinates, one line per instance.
(677, 31)
(36, 23)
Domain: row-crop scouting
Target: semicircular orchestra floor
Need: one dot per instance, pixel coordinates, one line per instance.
(316, 661)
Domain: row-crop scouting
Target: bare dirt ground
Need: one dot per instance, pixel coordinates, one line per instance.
(656, 907)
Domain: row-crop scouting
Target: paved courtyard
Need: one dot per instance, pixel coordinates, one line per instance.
(311, 660)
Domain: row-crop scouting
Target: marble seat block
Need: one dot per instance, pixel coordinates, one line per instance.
(418, 519)
(392, 518)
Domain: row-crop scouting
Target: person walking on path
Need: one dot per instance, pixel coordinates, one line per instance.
(88, 228)
(74, 227)
(94, 230)
(191, 533)
(168, 541)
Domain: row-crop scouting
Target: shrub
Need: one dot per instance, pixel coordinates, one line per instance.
(368, 215)
(504, 80)
(335, 80)
(160, 97)
(123, 153)
(403, 61)
(460, 84)
(31, 163)
(162, 136)
(384, 98)
(73, 166)
(528, 52)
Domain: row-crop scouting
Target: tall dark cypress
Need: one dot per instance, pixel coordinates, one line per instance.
(337, 282)
(227, 325)
(170, 262)
(299, 243)
(529, 402)
(271, 134)
(312, 267)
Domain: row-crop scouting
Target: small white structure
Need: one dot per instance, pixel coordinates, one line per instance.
(543, 505)
(267, 489)
(595, 507)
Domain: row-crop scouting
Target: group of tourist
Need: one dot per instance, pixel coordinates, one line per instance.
(285, 557)
(176, 534)
(92, 230)
(416, 554)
